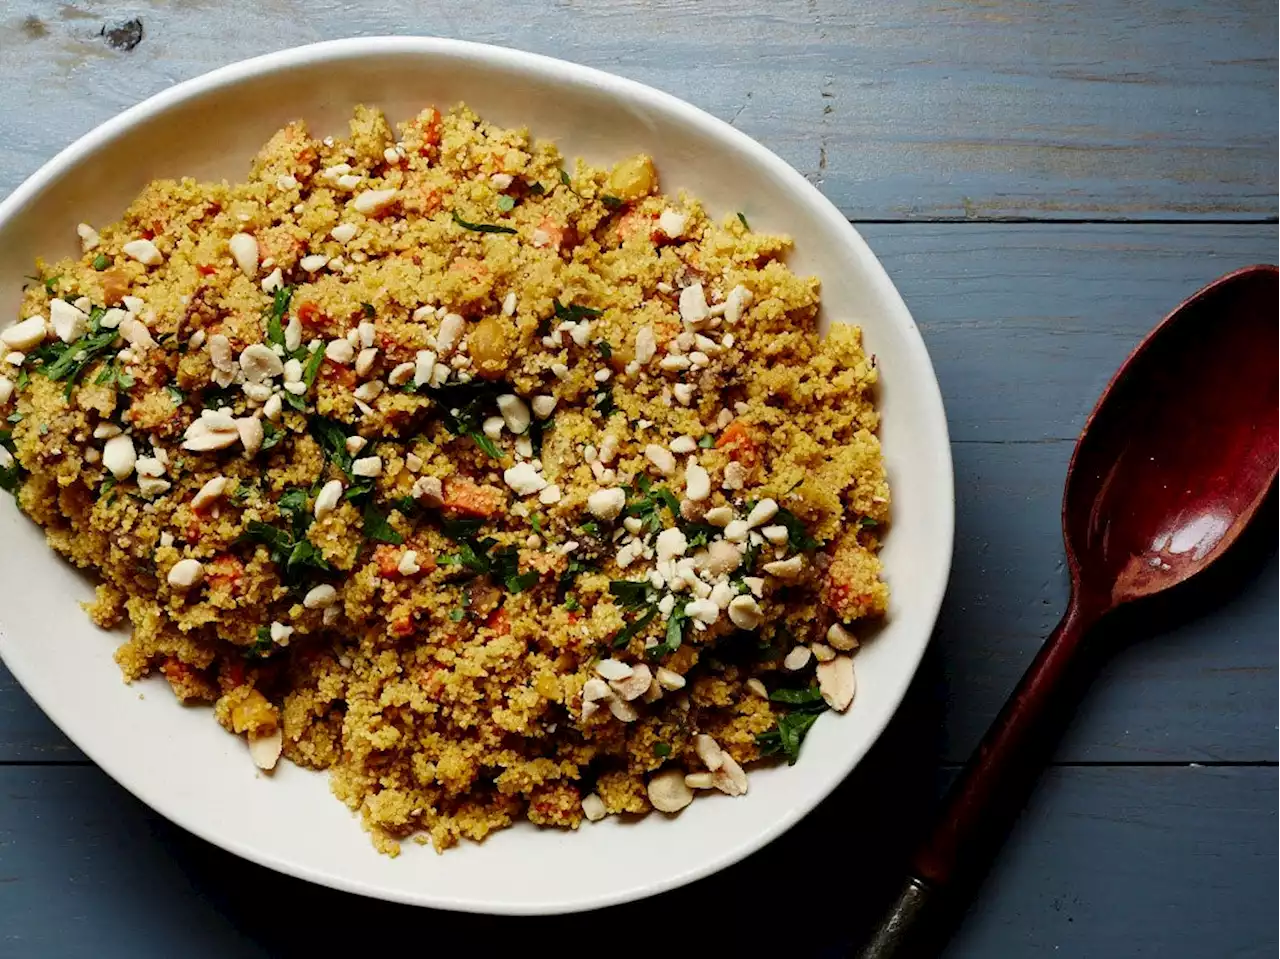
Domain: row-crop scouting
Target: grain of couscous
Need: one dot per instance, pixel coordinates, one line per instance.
(499, 490)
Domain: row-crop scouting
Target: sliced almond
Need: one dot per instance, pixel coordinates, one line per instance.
(837, 682)
(265, 749)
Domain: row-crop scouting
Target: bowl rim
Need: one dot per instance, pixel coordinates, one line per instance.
(485, 54)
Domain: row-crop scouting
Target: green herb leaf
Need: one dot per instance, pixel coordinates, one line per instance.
(66, 361)
(51, 285)
(263, 646)
(176, 394)
(457, 614)
(571, 603)
(101, 262)
(275, 315)
(377, 528)
(797, 535)
(480, 227)
(743, 220)
(662, 750)
(536, 188)
(605, 349)
(271, 435)
(332, 439)
(611, 202)
(633, 629)
(11, 475)
(312, 368)
(631, 594)
(605, 405)
(707, 441)
(369, 311)
(787, 736)
(575, 312)
(810, 696)
(868, 523)
(506, 203)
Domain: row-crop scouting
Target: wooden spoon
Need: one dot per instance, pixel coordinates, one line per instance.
(1172, 465)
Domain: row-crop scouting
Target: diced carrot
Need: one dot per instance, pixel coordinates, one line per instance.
(206, 270)
(175, 670)
(309, 314)
(344, 376)
(470, 266)
(498, 621)
(740, 444)
(224, 570)
(554, 231)
(471, 499)
(388, 560)
(402, 627)
(634, 222)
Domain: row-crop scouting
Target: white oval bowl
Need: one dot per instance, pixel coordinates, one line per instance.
(179, 761)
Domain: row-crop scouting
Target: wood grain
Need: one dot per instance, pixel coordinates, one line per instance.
(914, 109)
(1158, 862)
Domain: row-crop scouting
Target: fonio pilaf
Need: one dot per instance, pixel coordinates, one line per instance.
(496, 490)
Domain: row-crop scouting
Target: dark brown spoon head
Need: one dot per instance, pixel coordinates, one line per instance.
(1180, 451)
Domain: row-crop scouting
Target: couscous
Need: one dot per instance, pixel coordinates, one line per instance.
(497, 489)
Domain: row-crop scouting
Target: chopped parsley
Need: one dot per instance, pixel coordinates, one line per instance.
(369, 311)
(295, 556)
(647, 504)
(634, 628)
(675, 632)
(275, 315)
(571, 603)
(605, 349)
(612, 202)
(742, 218)
(785, 738)
(263, 646)
(798, 537)
(480, 227)
(457, 614)
(111, 375)
(11, 475)
(66, 361)
(51, 285)
(271, 435)
(567, 578)
(177, 395)
(376, 527)
(312, 368)
(471, 403)
(707, 441)
(536, 188)
(605, 405)
(631, 594)
(868, 523)
(101, 262)
(662, 750)
(575, 312)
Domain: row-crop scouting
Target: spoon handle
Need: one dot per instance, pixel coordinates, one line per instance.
(983, 800)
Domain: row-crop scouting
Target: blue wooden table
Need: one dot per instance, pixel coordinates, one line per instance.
(1043, 181)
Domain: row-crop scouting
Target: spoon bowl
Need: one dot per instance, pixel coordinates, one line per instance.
(1172, 465)
(1181, 448)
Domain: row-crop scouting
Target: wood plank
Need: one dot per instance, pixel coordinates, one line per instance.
(1025, 325)
(1105, 862)
(912, 109)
